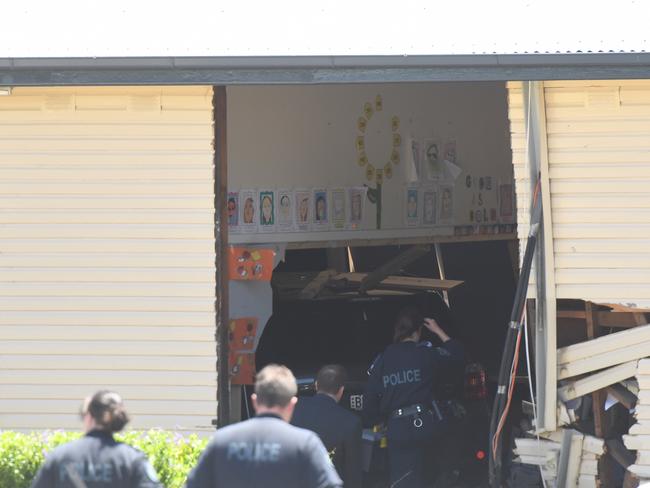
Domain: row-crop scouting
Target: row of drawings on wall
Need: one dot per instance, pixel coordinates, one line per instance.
(428, 206)
(296, 210)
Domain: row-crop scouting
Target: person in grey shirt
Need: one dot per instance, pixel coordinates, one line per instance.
(266, 450)
(97, 460)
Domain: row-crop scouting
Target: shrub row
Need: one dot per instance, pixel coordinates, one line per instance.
(171, 454)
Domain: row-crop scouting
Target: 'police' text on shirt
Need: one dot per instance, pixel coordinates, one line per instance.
(263, 452)
(402, 377)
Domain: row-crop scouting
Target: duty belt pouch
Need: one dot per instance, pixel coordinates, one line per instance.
(409, 428)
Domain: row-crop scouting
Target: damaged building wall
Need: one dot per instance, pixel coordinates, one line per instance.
(599, 172)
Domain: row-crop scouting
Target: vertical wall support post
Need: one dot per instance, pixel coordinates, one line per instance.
(545, 309)
(221, 251)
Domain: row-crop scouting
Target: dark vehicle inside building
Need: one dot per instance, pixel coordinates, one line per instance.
(341, 325)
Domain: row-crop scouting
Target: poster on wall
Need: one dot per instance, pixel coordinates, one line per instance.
(285, 211)
(267, 210)
(338, 211)
(412, 165)
(302, 202)
(429, 204)
(248, 210)
(252, 264)
(412, 210)
(446, 204)
(321, 211)
(242, 367)
(357, 199)
(242, 333)
(506, 203)
(432, 159)
(450, 152)
(233, 211)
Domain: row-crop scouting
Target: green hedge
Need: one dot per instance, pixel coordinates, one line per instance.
(171, 454)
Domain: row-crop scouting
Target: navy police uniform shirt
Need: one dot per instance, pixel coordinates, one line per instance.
(338, 428)
(96, 461)
(404, 375)
(264, 451)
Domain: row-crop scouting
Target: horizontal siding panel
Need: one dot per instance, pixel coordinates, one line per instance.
(593, 186)
(600, 215)
(20, 173)
(76, 260)
(594, 231)
(139, 392)
(99, 231)
(606, 276)
(101, 160)
(593, 142)
(115, 275)
(108, 363)
(177, 422)
(117, 348)
(153, 129)
(109, 318)
(631, 292)
(43, 216)
(105, 333)
(103, 304)
(601, 245)
(134, 407)
(74, 377)
(602, 260)
(105, 188)
(85, 245)
(614, 202)
(621, 155)
(136, 289)
(116, 204)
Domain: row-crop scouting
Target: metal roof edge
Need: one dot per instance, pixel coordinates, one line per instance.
(320, 69)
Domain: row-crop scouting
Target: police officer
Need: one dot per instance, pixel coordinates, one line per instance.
(338, 428)
(400, 393)
(97, 460)
(266, 450)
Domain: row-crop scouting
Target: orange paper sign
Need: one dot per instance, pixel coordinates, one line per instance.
(250, 264)
(242, 368)
(242, 334)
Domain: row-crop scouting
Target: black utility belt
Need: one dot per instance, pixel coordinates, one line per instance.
(417, 410)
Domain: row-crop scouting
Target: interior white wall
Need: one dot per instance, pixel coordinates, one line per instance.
(304, 137)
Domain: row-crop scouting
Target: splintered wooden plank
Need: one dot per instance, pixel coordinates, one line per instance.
(404, 282)
(641, 428)
(644, 366)
(587, 481)
(589, 467)
(643, 457)
(593, 445)
(637, 442)
(601, 345)
(603, 360)
(623, 395)
(535, 447)
(594, 382)
(642, 471)
(315, 286)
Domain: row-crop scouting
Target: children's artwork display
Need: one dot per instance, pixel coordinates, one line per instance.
(357, 199)
(446, 204)
(232, 205)
(267, 210)
(432, 159)
(242, 333)
(285, 211)
(302, 202)
(412, 206)
(321, 213)
(338, 210)
(429, 206)
(248, 210)
(506, 203)
(250, 264)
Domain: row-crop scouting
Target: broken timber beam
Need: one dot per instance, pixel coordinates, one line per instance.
(623, 395)
(315, 286)
(402, 282)
(603, 352)
(393, 266)
(597, 381)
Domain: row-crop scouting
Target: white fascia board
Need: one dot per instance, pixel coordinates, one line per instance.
(603, 344)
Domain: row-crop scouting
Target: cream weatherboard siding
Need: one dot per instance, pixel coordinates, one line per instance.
(107, 275)
(598, 135)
